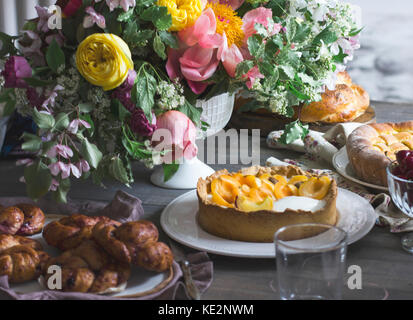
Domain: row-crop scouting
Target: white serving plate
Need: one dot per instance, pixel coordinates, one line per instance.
(343, 166)
(179, 220)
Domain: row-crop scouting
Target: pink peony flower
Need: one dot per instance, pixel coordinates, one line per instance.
(201, 50)
(92, 18)
(15, 70)
(176, 132)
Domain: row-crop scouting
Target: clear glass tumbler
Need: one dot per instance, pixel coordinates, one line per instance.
(401, 191)
(310, 261)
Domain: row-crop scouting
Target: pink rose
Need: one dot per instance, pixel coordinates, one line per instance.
(176, 132)
(15, 70)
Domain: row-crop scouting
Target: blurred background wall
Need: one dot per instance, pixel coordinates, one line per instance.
(383, 65)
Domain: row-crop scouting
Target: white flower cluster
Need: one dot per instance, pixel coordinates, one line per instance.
(70, 81)
(99, 98)
(171, 95)
(23, 105)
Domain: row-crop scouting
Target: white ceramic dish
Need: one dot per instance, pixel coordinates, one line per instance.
(343, 166)
(179, 220)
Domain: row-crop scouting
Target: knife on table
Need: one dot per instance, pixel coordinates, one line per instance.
(180, 257)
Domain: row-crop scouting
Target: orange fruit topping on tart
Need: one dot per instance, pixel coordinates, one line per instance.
(252, 193)
(315, 188)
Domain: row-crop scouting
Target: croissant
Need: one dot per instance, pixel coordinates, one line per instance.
(33, 219)
(88, 268)
(7, 241)
(69, 232)
(22, 219)
(22, 263)
(135, 243)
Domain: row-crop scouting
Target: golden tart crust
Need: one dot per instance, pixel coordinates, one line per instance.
(259, 226)
(372, 147)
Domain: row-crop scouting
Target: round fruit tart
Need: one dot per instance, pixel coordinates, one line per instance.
(252, 204)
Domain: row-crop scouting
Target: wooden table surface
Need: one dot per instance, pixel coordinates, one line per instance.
(387, 270)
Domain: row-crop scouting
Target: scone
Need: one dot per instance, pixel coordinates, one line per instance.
(371, 148)
(252, 204)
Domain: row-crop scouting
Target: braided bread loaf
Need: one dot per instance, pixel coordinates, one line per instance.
(21, 259)
(88, 268)
(69, 232)
(135, 243)
(23, 219)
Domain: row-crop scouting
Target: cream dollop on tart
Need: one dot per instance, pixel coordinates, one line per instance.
(298, 203)
(252, 204)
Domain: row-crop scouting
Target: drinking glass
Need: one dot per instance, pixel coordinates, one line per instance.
(310, 261)
(401, 192)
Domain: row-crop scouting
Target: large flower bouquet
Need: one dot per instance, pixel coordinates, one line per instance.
(101, 78)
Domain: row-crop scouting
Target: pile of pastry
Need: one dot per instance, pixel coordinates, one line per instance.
(97, 253)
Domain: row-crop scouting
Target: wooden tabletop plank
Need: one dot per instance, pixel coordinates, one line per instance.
(386, 267)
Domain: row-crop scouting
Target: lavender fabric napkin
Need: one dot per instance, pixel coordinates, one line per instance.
(123, 208)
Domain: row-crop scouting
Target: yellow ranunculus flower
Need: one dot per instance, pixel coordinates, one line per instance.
(104, 60)
(184, 12)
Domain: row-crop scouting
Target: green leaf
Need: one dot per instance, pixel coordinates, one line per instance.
(55, 56)
(169, 39)
(355, 32)
(254, 45)
(32, 143)
(159, 16)
(60, 195)
(191, 112)
(43, 120)
(86, 107)
(169, 170)
(266, 68)
(339, 58)
(119, 110)
(300, 95)
(125, 16)
(38, 180)
(9, 108)
(34, 82)
(118, 171)
(291, 27)
(159, 47)
(327, 36)
(7, 45)
(302, 33)
(90, 153)
(294, 131)
(62, 121)
(243, 68)
(143, 93)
